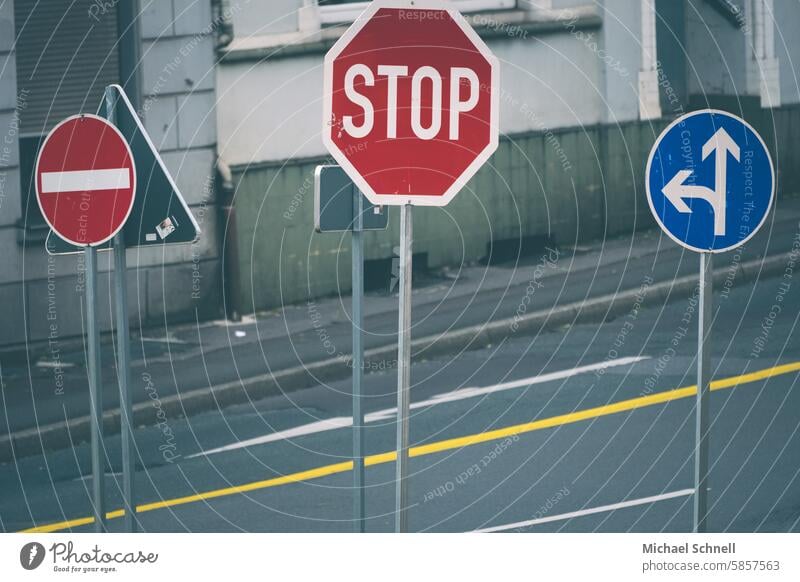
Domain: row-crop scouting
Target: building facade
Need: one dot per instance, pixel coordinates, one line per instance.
(586, 86)
(231, 93)
(55, 60)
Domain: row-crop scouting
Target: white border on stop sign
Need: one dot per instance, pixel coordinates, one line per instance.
(344, 162)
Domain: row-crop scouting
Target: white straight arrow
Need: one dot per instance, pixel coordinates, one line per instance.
(676, 190)
(722, 144)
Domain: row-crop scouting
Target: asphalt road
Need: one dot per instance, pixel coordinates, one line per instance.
(190, 357)
(577, 429)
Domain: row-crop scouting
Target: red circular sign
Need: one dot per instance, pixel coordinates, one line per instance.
(411, 102)
(85, 180)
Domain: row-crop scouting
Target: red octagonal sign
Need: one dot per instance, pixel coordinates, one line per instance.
(85, 180)
(410, 102)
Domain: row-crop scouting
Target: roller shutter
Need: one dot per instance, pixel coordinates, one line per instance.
(66, 54)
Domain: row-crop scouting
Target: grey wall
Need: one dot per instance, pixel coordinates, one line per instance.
(671, 50)
(179, 111)
(541, 74)
(570, 185)
(717, 52)
(787, 49)
(11, 288)
(621, 41)
(260, 17)
(43, 295)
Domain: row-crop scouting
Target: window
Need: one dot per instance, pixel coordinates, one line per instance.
(28, 150)
(66, 55)
(340, 11)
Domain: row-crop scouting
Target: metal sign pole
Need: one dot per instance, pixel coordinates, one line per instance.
(358, 358)
(403, 370)
(670, 182)
(123, 357)
(703, 391)
(123, 373)
(95, 392)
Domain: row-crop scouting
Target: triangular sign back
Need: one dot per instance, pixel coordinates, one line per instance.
(160, 215)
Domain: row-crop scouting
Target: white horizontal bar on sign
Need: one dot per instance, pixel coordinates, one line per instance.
(85, 180)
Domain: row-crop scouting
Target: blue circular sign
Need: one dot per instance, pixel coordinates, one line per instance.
(710, 181)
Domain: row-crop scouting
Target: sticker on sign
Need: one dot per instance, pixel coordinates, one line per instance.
(411, 102)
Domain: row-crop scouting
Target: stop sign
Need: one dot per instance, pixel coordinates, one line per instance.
(410, 102)
(85, 180)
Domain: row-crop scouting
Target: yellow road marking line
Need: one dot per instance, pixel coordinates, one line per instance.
(440, 446)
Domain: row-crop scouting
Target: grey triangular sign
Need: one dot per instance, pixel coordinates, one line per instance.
(160, 215)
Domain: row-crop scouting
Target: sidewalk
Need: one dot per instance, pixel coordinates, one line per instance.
(181, 370)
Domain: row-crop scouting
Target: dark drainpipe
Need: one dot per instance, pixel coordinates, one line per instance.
(230, 243)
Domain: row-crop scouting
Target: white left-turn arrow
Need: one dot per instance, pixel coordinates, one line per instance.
(677, 190)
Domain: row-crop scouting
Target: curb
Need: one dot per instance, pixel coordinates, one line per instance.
(60, 435)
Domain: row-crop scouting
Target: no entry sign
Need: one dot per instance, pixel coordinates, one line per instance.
(410, 102)
(85, 180)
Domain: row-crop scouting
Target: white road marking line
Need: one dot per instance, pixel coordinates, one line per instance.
(592, 511)
(163, 340)
(54, 364)
(460, 394)
(311, 428)
(85, 180)
(463, 393)
(89, 477)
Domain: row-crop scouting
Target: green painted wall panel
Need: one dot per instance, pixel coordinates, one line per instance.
(572, 185)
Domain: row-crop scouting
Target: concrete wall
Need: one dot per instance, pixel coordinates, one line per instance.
(43, 295)
(620, 59)
(566, 65)
(282, 98)
(672, 56)
(570, 185)
(257, 17)
(785, 123)
(569, 166)
(12, 291)
(179, 110)
(543, 73)
(716, 52)
(787, 49)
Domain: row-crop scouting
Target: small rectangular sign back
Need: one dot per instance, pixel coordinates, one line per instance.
(334, 203)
